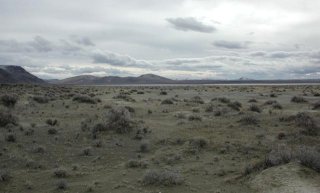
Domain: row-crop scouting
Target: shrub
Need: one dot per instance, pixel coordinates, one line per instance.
(7, 118)
(309, 157)
(298, 99)
(11, 137)
(119, 120)
(4, 176)
(276, 106)
(124, 96)
(8, 100)
(86, 151)
(235, 105)
(39, 149)
(130, 109)
(307, 122)
(40, 99)
(84, 99)
(254, 167)
(133, 163)
(249, 120)
(168, 178)
(270, 102)
(194, 118)
(163, 92)
(279, 156)
(252, 101)
(273, 95)
(167, 102)
(224, 100)
(144, 147)
(62, 184)
(197, 99)
(255, 108)
(198, 143)
(52, 122)
(209, 108)
(52, 131)
(60, 173)
(316, 105)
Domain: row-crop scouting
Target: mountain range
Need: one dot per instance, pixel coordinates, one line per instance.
(17, 74)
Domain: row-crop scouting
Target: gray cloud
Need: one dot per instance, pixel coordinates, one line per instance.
(231, 44)
(280, 54)
(114, 59)
(190, 24)
(41, 44)
(85, 41)
(258, 54)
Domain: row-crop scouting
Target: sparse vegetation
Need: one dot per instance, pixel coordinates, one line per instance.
(298, 99)
(119, 120)
(255, 108)
(168, 178)
(7, 118)
(8, 100)
(167, 102)
(84, 99)
(40, 99)
(123, 146)
(249, 120)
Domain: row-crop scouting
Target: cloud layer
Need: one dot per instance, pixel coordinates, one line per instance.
(190, 24)
(187, 39)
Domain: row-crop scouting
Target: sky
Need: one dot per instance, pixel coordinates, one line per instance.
(178, 39)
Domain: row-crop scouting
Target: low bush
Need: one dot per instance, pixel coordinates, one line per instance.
(307, 123)
(7, 118)
(124, 96)
(164, 177)
(84, 99)
(41, 99)
(249, 120)
(255, 108)
(11, 137)
(119, 120)
(298, 99)
(197, 99)
(167, 102)
(52, 122)
(194, 118)
(316, 106)
(4, 176)
(8, 100)
(60, 173)
(62, 184)
(309, 157)
(224, 100)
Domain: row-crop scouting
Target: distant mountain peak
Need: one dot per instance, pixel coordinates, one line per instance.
(17, 74)
(245, 78)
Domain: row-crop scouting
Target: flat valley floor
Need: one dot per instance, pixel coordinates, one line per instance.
(152, 139)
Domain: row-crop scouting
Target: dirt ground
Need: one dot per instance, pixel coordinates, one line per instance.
(202, 142)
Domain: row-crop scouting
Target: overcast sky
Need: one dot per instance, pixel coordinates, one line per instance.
(203, 39)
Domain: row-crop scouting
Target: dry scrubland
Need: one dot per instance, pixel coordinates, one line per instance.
(159, 139)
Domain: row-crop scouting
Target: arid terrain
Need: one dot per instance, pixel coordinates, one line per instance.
(152, 139)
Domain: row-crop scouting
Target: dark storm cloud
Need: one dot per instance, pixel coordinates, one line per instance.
(190, 24)
(231, 44)
(114, 59)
